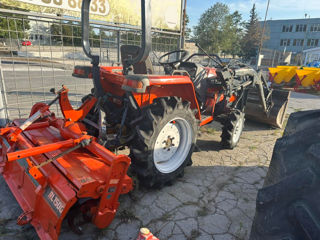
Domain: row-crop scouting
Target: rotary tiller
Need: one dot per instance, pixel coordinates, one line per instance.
(52, 165)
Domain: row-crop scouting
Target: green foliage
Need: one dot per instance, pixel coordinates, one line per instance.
(219, 31)
(68, 33)
(232, 33)
(10, 27)
(188, 31)
(252, 37)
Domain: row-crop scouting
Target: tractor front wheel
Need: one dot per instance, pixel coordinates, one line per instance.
(232, 129)
(165, 140)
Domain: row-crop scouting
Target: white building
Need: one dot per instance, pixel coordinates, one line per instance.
(312, 54)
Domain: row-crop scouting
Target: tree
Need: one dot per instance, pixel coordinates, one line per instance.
(12, 27)
(187, 31)
(232, 33)
(218, 31)
(69, 33)
(252, 37)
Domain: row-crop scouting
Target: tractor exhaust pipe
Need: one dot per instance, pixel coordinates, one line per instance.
(146, 39)
(85, 9)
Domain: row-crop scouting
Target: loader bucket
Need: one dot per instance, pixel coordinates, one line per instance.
(276, 115)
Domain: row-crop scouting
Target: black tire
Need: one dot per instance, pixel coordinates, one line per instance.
(92, 116)
(155, 117)
(301, 120)
(231, 125)
(288, 204)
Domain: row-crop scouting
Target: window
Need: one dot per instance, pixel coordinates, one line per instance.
(287, 28)
(315, 28)
(298, 42)
(285, 42)
(312, 42)
(301, 27)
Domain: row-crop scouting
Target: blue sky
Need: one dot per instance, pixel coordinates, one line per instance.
(279, 9)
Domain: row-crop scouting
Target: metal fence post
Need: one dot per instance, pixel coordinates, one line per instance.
(273, 57)
(4, 115)
(118, 46)
(46, 64)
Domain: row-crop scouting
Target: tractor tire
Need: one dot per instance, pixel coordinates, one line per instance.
(92, 116)
(165, 140)
(301, 120)
(287, 206)
(232, 129)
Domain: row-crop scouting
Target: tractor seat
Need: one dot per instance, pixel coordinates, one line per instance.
(132, 51)
(198, 75)
(192, 68)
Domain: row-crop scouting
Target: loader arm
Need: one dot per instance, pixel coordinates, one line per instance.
(264, 104)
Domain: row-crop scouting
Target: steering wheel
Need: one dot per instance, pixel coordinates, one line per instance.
(182, 53)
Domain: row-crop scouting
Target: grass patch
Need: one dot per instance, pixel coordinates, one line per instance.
(194, 234)
(202, 212)
(246, 199)
(252, 148)
(126, 216)
(256, 182)
(208, 130)
(3, 229)
(165, 217)
(221, 185)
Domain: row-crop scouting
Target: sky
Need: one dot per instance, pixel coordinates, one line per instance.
(279, 9)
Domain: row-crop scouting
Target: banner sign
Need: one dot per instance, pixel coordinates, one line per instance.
(166, 14)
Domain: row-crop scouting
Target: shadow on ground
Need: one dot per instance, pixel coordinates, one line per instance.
(209, 201)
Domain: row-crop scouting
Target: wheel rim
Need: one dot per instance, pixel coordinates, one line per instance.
(172, 145)
(237, 130)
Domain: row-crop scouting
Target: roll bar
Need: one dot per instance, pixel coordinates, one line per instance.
(145, 37)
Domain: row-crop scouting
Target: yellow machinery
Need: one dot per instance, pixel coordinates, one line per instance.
(302, 76)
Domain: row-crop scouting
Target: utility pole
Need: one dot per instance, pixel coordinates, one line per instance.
(183, 25)
(263, 30)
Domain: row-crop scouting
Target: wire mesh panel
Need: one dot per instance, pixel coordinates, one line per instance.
(38, 54)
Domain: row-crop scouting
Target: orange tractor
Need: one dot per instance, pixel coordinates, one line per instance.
(56, 165)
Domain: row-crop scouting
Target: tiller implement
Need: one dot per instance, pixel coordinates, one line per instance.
(51, 165)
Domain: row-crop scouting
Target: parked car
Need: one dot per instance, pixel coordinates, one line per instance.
(26, 43)
(315, 63)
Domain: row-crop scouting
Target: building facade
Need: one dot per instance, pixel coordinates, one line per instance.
(294, 35)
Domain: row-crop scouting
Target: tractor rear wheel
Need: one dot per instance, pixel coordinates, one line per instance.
(288, 204)
(232, 129)
(165, 140)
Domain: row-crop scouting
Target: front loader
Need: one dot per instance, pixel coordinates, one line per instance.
(64, 167)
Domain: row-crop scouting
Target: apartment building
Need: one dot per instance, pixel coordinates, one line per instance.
(293, 35)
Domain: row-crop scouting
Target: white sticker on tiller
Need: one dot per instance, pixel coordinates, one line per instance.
(113, 181)
(53, 199)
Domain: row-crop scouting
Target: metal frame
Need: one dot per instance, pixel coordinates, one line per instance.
(50, 64)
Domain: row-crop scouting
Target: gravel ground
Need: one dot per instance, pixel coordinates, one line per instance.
(214, 200)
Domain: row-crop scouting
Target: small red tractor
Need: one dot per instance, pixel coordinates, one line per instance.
(58, 165)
